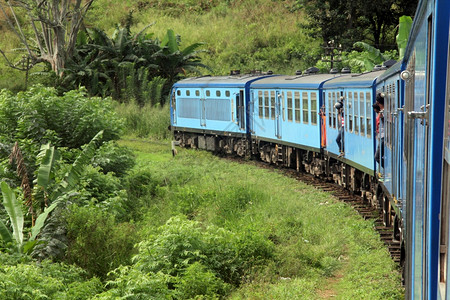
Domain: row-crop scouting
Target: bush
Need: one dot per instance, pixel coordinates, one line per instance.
(46, 280)
(96, 242)
(180, 243)
(42, 116)
(111, 157)
(130, 283)
(197, 282)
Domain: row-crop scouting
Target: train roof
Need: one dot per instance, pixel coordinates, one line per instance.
(394, 70)
(312, 81)
(218, 81)
(354, 80)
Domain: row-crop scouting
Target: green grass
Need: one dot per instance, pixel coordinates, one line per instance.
(315, 236)
(245, 35)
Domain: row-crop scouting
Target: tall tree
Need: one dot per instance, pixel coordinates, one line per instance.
(349, 21)
(54, 25)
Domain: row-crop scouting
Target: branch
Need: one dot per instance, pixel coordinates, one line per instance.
(10, 64)
(20, 33)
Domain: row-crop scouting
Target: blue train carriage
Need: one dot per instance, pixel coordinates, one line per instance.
(425, 63)
(444, 261)
(285, 120)
(357, 93)
(211, 112)
(391, 163)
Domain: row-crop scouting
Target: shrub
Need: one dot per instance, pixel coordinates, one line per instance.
(42, 116)
(130, 283)
(96, 242)
(111, 157)
(180, 243)
(197, 282)
(46, 280)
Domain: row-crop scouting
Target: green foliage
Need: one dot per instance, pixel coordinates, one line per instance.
(129, 66)
(111, 157)
(360, 61)
(130, 283)
(46, 280)
(42, 116)
(199, 282)
(145, 121)
(404, 27)
(356, 20)
(180, 243)
(96, 242)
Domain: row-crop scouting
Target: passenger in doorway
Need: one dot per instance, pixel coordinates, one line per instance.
(340, 138)
(379, 109)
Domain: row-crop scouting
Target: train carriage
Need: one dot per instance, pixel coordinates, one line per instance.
(427, 228)
(391, 171)
(205, 108)
(286, 110)
(358, 94)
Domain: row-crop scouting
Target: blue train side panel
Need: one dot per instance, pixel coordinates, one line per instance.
(286, 110)
(211, 104)
(358, 93)
(425, 62)
(391, 85)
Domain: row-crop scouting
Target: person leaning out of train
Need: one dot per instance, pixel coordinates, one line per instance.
(379, 109)
(340, 138)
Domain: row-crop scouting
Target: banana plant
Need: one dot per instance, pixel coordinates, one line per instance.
(404, 27)
(49, 156)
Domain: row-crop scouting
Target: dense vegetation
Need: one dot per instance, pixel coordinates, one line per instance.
(95, 206)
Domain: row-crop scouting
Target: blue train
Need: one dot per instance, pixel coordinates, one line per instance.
(325, 124)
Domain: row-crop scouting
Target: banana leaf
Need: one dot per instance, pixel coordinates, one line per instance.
(404, 27)
(14, 210)
(49, 157)
(72, 177)
(5, 233)
(40, 221)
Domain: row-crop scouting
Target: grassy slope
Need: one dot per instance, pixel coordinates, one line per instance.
(246, 35)
(323, 247)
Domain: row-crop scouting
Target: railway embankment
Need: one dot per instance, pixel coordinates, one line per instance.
(283, 238)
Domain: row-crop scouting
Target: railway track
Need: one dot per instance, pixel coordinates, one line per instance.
(362, 207)
(357, 202)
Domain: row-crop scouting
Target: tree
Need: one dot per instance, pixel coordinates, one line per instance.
(348, 21)
(54, 24)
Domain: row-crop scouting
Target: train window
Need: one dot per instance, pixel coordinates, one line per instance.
(333, 101)
(208, 93)
(361, 113)
(178, 93)
(368, 115)
(305, 101)
(266, 104)
(283, 105)
(330, 110)
(297, 106)
(188, 92)
(218, 93)
(197, 93)
(313, 108)
(350, 114)
(355, 111)
(227, 93)
(387, 121)
(260, 104)
(289, 106)
(272, 105)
